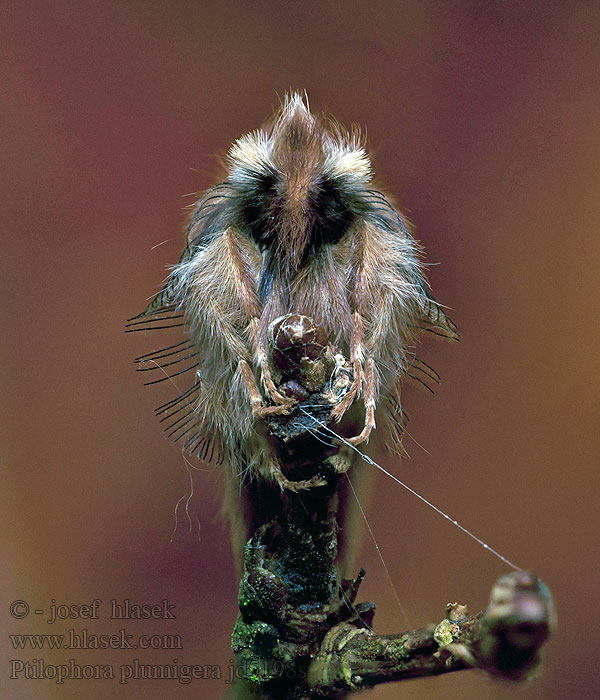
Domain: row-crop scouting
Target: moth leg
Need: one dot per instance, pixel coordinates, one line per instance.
(258, 407)
(242, 288)
(267, 379)
(370, 389)
(285, 483)
(266, 376)
(356, 358)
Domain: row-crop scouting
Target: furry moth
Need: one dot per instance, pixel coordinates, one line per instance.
(295, 227)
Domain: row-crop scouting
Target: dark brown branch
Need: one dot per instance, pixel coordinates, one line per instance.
(504, 640)
(299, 635)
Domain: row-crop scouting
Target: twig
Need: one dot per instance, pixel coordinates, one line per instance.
(299, 635)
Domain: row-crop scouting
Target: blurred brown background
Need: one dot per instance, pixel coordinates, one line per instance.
(483, 120)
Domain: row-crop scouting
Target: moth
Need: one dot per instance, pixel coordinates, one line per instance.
(296, 226)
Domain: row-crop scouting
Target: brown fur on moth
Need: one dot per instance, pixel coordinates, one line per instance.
(295, 227)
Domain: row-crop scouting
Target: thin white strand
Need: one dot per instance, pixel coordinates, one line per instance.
(372, 535)
(164, 371)
(353, 608)
(176, 508)
(316, 433)
(385, 567)
(189, 498)
(421, 498)
(191, 466)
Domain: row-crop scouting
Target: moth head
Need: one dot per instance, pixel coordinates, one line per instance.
(299, 183)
